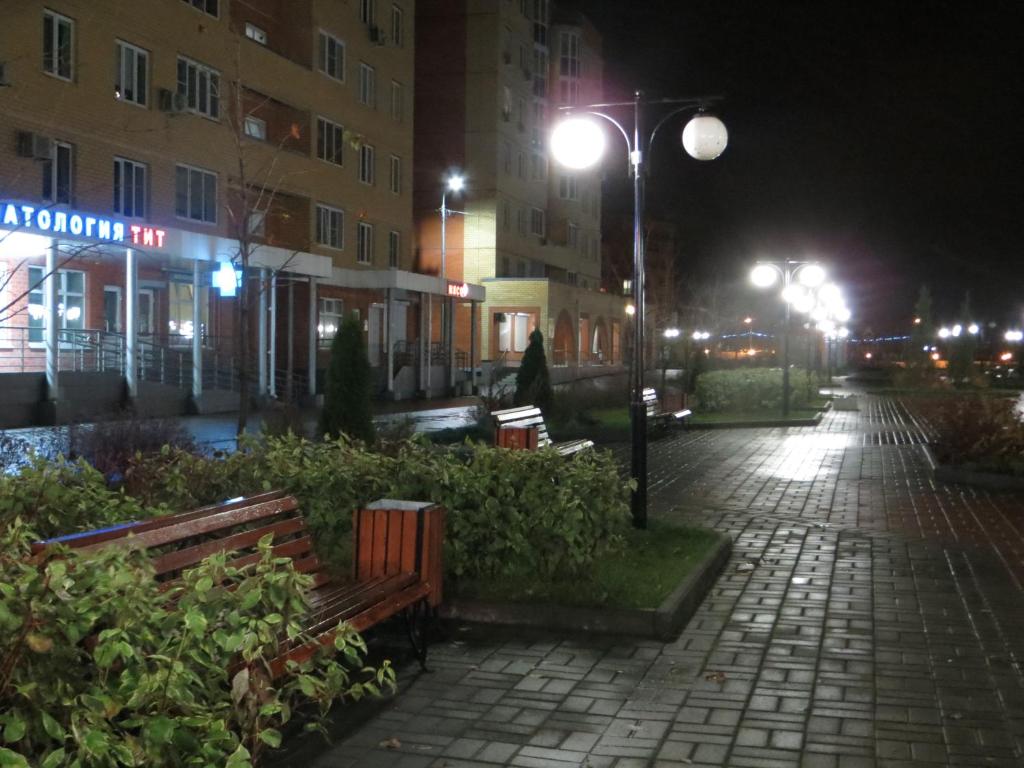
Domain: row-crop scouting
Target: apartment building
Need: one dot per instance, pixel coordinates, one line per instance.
(490, 78)
(158, 157)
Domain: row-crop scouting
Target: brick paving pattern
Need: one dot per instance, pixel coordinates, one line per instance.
(880, 622)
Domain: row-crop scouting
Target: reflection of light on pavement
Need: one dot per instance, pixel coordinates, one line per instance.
(802, 457)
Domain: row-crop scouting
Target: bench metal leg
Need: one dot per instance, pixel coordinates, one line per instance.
(416, 619)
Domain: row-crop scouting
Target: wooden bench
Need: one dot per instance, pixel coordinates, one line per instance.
(397, 563)
(523, 428)
(661, 417)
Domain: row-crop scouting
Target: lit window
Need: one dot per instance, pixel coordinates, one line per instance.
(132, 74)
(367, 164)
(367, 85)
(394, 244)
(195, 195)
(396, 175)
(364, 244)
(257, 223)
(255, 128)
(70, 301)
(129, 188)
(513, 332)
(58, 45)
(200, 86)
(332, 56)
(180, 328)
(255, 33)
(332, 312)
(330, 224)
(329, 141)
(57, 174)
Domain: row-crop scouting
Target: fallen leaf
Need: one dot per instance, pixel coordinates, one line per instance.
(392, 743)
(715, 677)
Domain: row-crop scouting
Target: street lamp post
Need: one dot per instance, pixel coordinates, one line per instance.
(810, 275)
(578, 142)
(454, 184)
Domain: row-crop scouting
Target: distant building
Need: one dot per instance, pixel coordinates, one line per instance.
(142, 142)
(490, 76)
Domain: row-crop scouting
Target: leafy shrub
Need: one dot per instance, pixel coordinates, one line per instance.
(110, 445)
(99, 667)
(983, 432)
(746, 390)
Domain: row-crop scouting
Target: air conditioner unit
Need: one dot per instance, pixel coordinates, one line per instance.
(171, 101)
(34, 145)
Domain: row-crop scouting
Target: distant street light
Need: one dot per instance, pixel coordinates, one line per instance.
(453, 184)
(807, 274)
(578, 142)
(944, 333)
(671, 333)
(1014, 335)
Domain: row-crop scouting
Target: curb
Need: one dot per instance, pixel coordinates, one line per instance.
(662, 623)
(961, 475)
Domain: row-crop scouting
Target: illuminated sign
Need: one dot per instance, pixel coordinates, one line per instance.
(78, 224)
(459, 290)
(226, 279)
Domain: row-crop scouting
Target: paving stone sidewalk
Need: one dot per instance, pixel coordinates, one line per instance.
(882, 624)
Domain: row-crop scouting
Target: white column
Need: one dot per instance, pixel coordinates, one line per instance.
(131, 323)
(312, 339)
(430, 330)
(51, 282)
(290, 350)
(197, 332)
(389, 350)
(452, 306)
(272, 364)
(261, 334)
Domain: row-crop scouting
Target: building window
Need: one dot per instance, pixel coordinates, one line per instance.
(195, 195)
(506, 157)
(506, 216)
(364, 243)
(505, 269)
(521, 221)
(568, 187)
(540, 73)
(255, 128)
(568, 67)
(180, 328)
(396, 174)
(524, 61)
(132, 74)
(58, 45)
(397, 26)
(513, 331)
(58, 174)
(70, 302)
(330, 226)
(537, 222)
(573, 239)
(368, 11)
(570, 278)
(256, 34)
(538, 167)
(329, 141)
(200, 86)
(129, 188)
(367, 164)
(332, 56)
(332, 312)
(367, 85)
(521, 165)
(394, 245)
(397, 101)
(206, 6)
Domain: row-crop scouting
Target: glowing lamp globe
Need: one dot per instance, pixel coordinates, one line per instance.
(763, 276)
(578, 142)
(812, 275)
(705, 137)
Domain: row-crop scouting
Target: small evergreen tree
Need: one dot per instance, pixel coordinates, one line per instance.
(922, 334)
(347, 407)
(533, 384)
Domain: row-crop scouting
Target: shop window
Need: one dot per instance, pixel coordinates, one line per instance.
(180, 328)
(513, 332)
(70, 302)
(332, 312)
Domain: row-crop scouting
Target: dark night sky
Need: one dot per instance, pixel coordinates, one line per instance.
(883, 138)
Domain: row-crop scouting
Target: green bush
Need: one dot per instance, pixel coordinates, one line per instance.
(984, 433)
(100, 667)
(748, 390)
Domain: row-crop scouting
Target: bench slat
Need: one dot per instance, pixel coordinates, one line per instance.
(181, 558)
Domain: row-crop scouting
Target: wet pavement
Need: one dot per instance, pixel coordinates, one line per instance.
(869, 617)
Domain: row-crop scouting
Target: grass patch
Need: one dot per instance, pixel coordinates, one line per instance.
(653, 563)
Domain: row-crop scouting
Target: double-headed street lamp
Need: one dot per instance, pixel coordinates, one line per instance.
(799, 279)
(578, 142)
(455, 183)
